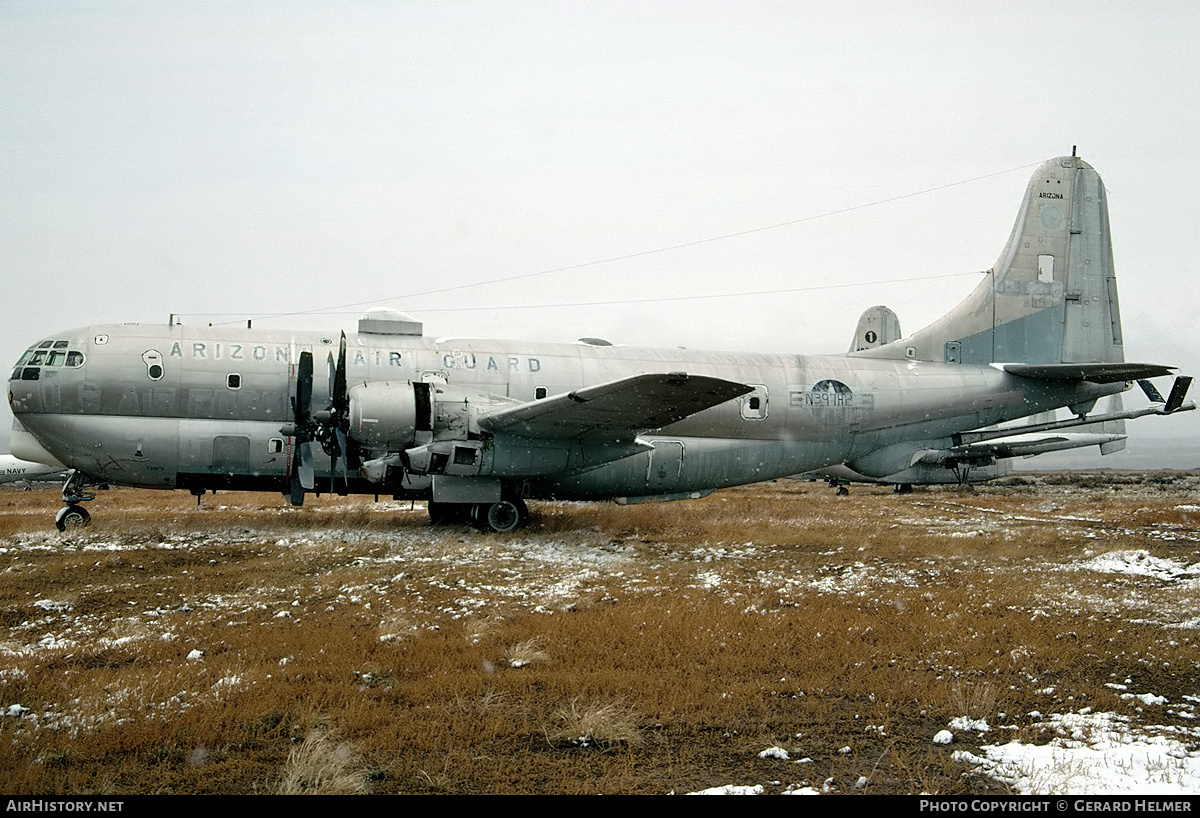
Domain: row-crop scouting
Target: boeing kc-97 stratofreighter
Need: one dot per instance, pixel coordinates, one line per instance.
(477, 427)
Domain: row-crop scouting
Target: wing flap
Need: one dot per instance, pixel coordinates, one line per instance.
(629, 405)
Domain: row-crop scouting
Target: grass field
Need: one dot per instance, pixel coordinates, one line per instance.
(243, 646)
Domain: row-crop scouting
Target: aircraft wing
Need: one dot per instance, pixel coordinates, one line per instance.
(1096, 373)
(629, 405)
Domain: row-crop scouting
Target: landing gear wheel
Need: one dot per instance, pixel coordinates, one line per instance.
(72, 516)
(842, 491)
(502, 516)
(902, 488)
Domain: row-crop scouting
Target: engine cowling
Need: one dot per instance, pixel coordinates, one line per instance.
(387, 416)
(429, 428)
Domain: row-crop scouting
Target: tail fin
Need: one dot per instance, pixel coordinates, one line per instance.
(876, 327)
(1052, 295)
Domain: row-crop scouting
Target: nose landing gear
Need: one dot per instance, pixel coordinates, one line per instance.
(74, 492)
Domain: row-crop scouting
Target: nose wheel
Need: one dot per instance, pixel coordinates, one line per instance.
(74, 492)
(72, 516)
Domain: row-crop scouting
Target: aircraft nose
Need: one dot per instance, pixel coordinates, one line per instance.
(46, 360)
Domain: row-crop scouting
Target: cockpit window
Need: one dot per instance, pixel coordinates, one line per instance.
(46, 355)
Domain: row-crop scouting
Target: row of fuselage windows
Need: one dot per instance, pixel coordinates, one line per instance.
(47, 353)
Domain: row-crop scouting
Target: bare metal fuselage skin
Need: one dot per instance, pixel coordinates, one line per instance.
(202, 408)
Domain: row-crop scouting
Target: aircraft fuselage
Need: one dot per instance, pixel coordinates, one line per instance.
(192, 407)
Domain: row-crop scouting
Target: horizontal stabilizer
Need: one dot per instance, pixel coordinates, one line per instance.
(1096, 373)
(628, 405)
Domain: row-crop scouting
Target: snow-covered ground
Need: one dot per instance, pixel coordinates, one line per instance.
(1089, 753)
(1076, 750)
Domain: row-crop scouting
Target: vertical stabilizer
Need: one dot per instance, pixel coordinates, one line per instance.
(1052, 295)
(877, 326)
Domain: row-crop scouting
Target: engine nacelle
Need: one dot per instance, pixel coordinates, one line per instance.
(388, 415)
(432, 423)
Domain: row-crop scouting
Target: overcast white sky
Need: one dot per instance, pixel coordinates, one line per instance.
(252, 158)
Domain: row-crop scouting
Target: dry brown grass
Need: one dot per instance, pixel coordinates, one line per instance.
(678, 639)
(608, 725)
(322, 765)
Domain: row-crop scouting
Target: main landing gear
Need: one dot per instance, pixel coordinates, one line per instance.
(502, 516)
(842, 488)
(74, 492)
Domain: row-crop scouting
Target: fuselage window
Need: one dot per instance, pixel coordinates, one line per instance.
(539, 392)
(44, 344)
(275, 445)
(61, 344)
(38, 358)
(57, 358)
(74, 358)
(233, 381)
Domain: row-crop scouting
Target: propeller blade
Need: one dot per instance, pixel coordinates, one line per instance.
(304, 382)
(331, 376)
(307, 475)
(338, 393)
(295, 490)
(341, 439)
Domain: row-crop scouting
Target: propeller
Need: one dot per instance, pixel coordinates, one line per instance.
(301, 476)
(333, 423)
(329, 426)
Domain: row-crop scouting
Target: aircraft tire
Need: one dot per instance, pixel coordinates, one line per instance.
(501, 517)
(72, 516)
(842, 491)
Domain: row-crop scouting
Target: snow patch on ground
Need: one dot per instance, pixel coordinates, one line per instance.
(1096, 754)
(1137, 563)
